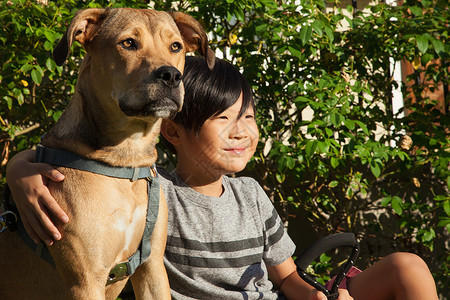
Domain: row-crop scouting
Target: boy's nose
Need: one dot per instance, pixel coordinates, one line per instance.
(238, 130)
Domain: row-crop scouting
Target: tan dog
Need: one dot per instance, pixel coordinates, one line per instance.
(128, 80)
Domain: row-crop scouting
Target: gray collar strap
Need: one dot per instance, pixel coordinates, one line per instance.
(67, 159)
(63, 158)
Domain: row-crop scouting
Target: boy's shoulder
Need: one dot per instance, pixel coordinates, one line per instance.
(244, 180)
(161, 171)
(166, 177)
(244, 183)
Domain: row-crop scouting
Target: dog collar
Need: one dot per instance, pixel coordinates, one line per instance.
(67, 159)
(61, 158)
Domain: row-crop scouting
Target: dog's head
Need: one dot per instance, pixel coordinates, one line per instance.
(135, 57)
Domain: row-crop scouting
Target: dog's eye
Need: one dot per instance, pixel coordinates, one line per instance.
(129, 44)
(175, 47)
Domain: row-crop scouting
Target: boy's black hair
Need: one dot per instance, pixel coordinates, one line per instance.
(210, 92)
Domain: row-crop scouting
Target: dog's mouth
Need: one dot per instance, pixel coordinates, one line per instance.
(161, 108)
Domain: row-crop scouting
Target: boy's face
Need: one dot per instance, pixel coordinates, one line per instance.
(224, 144)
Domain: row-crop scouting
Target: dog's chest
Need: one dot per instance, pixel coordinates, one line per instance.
(104, 209)
(129, 224)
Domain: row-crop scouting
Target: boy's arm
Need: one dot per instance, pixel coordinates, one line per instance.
(27, 182)
(285, 277)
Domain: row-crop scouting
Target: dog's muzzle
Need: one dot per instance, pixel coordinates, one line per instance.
(161, 95)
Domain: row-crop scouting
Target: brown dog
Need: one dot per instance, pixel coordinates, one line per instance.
(128, 81)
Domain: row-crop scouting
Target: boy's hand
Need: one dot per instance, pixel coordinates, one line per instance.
(316, 295)
(285, 277)
(343, 295)
(27, 181)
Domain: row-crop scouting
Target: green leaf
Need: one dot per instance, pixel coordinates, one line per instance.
(428, 235)
(417, 11)
(329, 132)
(336, 119)
(56, 115)
(290, 162)
(282, 164)
(444, 222)
(8, 101)
(362, 126)
(334, 162)
(36, 76)
(50, 35)
(354, 185)
(363, 192)
(396, 204)
(446, 206)
(323, 146)
(330, 33)
(305, 33)
(422, 43)
(311, 147)
(50, 64)
(295, 52)
(441, 198)
(324, 258)
(438, 46)
(48, 46)
(349, 124)
(333, 184)
(20, 99)
(301, 99)
(280, 177)
(349, 193)
(317, 25)
(26, 67)
(375, 168)
(385, 201)
(261, 28)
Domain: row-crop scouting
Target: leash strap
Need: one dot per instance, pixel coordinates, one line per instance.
(14, 223)
(8, 219)
(4, 219)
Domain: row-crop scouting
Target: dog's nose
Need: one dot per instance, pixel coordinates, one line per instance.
(170, 75)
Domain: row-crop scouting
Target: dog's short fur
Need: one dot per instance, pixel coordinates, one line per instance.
(128, 81)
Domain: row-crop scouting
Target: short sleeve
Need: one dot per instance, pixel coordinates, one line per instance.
(278, 246)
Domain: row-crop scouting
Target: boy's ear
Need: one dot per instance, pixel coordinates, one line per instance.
(170, 131)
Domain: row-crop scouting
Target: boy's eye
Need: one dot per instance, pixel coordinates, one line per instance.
(249, 116)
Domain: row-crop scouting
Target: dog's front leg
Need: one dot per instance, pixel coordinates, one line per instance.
(86, 291)
(81, 273)
(150, 279)
(92, 240)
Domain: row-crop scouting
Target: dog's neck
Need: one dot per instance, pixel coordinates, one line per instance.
(90, 132)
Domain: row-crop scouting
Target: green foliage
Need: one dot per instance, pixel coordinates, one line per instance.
(329, 133)
(342, 166)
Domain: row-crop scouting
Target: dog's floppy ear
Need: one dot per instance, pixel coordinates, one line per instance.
(83, 28)
(194, 36)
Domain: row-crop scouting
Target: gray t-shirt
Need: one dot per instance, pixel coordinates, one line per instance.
(218, 247)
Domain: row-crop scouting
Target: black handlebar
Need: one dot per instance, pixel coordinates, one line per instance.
(321, 246)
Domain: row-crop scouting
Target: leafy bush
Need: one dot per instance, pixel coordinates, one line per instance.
(348, 166)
